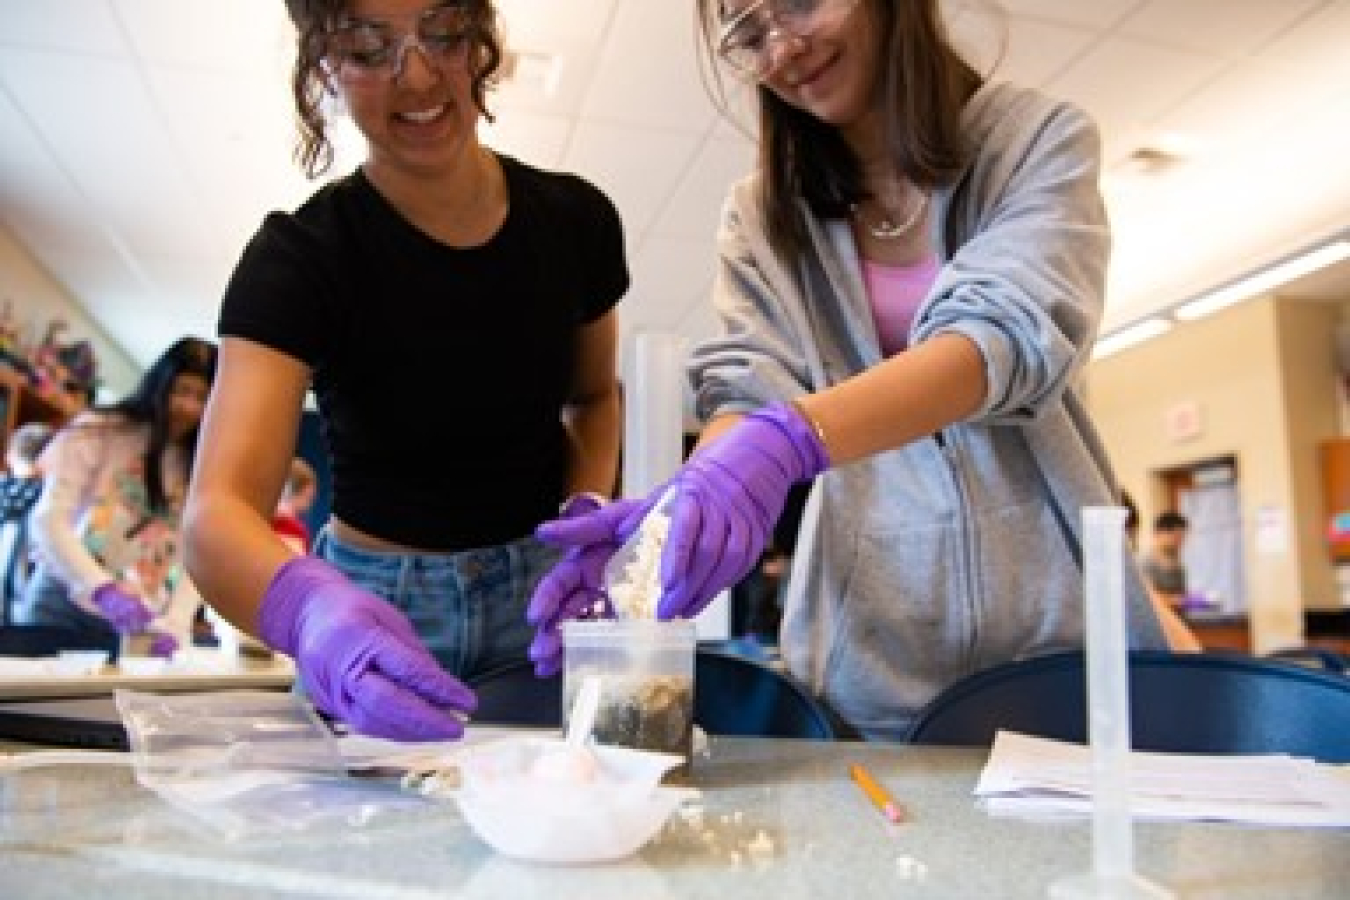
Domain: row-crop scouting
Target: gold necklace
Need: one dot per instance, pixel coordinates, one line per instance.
(886, 230)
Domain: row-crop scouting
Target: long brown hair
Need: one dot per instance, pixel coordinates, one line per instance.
(315, 18)
(922, 79)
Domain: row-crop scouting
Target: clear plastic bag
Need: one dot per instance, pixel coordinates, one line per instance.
(632, 577)
(244, 761)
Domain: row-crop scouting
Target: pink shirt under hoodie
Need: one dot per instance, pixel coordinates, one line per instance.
(895, 294)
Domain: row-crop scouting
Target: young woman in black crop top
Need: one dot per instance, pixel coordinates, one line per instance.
(452, 310)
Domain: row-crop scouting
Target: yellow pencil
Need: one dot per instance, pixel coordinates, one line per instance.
(877, 794)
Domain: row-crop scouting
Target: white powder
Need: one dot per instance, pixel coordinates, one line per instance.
(636, 588)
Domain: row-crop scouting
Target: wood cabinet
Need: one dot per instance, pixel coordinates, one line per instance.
(1222, 633)
(1336, 497)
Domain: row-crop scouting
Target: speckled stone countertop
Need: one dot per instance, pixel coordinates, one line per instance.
(778, 819)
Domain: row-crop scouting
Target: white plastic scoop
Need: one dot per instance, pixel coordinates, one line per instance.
(584, 709)
(571, 761)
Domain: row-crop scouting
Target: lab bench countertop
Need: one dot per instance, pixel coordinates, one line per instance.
(776, 818)
(196, 669)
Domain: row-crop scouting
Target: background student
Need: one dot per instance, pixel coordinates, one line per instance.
(106, 527)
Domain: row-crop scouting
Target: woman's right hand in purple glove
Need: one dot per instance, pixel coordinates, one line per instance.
(358, 656)
(123, 610)
(575, 585)
(727, 498)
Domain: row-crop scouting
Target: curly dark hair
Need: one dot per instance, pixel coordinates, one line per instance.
(314, 19)
(923, 79)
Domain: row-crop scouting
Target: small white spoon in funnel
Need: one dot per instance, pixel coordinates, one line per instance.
(571, 760)
(584, 709)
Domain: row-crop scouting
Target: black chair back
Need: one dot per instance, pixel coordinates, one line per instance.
(513, 695)
(1182, 703)
(49, 640)
(733, 695)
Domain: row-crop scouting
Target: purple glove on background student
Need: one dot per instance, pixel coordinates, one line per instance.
(162, 644)
(358, 656)
(124, 611)
(728, 499)
(590, 533)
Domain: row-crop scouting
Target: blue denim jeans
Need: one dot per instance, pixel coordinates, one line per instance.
(468, 607)
(46, 601)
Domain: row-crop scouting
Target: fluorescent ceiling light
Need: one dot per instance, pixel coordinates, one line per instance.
(1264, 281)
(1129, 336)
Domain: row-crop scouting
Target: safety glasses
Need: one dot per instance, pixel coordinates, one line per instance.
(746, 40)
(367, 51)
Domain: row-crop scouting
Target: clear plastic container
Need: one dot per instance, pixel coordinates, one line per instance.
(646, 674)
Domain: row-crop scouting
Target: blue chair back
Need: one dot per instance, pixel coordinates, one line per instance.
(738, 696)
(1314, 657)
(733, 695)
(1182, 703)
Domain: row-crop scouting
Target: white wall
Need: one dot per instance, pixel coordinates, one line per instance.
(38, 299)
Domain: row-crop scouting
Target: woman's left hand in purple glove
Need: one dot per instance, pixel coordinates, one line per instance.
(573, 588)
(728, 499)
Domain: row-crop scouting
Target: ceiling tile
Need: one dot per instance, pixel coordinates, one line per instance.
(638, 167)
(671, 290)
(1124, 81)
(1233, 216)
(701, 322)
(240, 35)
(553, 81)
(736, 110)
(695, 205)
(537, 22)
(1317, 45)
(540, 140)
(38, 200)
(230, 130)
(1038, 50)
(557, 46)
(1242, 105)
(107, 133)
(1097, 14)
(75, 25)
(1222, 27)
(634, 84)
(667, 273)
(161, 132)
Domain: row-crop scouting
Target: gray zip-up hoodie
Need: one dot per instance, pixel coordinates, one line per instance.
(925, 563)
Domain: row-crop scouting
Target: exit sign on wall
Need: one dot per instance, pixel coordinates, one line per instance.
(1184, 421)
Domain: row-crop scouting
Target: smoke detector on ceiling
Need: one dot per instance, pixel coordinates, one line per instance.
(1148, 161)
(532, 70)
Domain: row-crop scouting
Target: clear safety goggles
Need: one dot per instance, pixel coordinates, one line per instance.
(747, 38)
(363, 51)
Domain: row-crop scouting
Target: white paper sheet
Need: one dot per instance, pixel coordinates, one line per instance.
(1033, 777)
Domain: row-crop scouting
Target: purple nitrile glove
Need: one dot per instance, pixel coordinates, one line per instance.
(124, 611)
(728, 498)
(358, 656)
(163, 644)
(573, 588)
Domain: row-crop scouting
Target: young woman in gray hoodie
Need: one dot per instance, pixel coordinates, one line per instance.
(909, 286)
